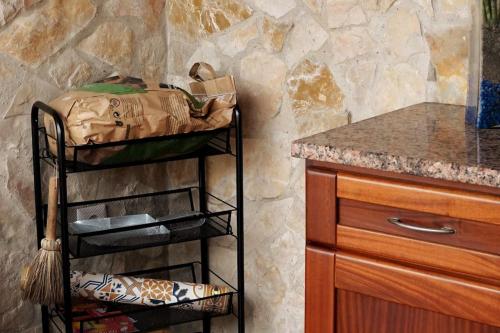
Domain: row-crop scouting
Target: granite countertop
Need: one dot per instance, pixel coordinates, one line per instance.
(428, 140)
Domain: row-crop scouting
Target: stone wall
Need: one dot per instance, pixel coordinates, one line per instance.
(46, 47)
(302, 66)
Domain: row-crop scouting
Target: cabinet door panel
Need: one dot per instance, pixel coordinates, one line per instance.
(434, 292)
(320, 298)
(358, 313)
(321, 207)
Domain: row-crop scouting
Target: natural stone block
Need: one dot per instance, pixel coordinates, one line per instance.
(350, 43)
(284, 269)
(358, 79)
(206, 52)
(268, 168)
(148, 11)
(312, 86)
(221, 177)
(403, 34)
(306, 36)
(275, 8)
(449, 50)
(379, 5)
(453, 11)
(33, 38)
(32, 90)
(452, 90)
(181, 173)
(319, 121)
(266, 213)
(152, 58)
(449, 55)
(315, 5)
(18, 180)
(427, 6)
(9, 9)
(274, 34)
(12, 77)
(344, 13)
(260, 89)
(179, 50)
(81, 75)
(10, 320)
(260, 68)
(397, 87)
(112, 43)
(237, 40)
(29, 3)
(70, 70)
(195, 18)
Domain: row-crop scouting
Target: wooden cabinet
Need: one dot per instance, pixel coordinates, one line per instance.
(319, 292)
(388, 253)
(358, 313)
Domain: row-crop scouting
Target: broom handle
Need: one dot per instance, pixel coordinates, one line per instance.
(50, 231)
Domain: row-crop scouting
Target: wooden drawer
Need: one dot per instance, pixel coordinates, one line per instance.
(418, 288)
(422, 198)
(445, 258)
(473, 235)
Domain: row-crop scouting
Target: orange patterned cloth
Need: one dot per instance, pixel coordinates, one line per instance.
(150, 292)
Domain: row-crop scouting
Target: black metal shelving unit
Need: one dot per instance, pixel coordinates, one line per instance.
(216, 213)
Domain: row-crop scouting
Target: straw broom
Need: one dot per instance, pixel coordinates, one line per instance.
(41, 282)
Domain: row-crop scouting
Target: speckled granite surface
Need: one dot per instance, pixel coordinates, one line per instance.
(429, 140)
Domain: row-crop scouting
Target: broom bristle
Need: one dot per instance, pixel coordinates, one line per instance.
(43, 281)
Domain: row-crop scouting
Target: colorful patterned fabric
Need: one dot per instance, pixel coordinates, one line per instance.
(84, 312)
(150, 292)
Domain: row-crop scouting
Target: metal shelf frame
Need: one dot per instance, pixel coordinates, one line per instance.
(66, 167)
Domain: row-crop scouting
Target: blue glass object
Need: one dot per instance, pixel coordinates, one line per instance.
(489, 104)
(483, 98)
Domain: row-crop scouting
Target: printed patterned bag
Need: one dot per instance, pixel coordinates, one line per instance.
(149, 292)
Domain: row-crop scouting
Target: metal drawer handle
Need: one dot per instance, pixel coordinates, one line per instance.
(443, 230)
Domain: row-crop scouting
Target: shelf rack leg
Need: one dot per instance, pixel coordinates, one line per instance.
(38, 199)
(239, 218)
(65, 242)
(203, 242)
(63, 203)
(63, 216)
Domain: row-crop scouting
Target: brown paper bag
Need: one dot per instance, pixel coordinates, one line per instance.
(221, 90)
(124, 108)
